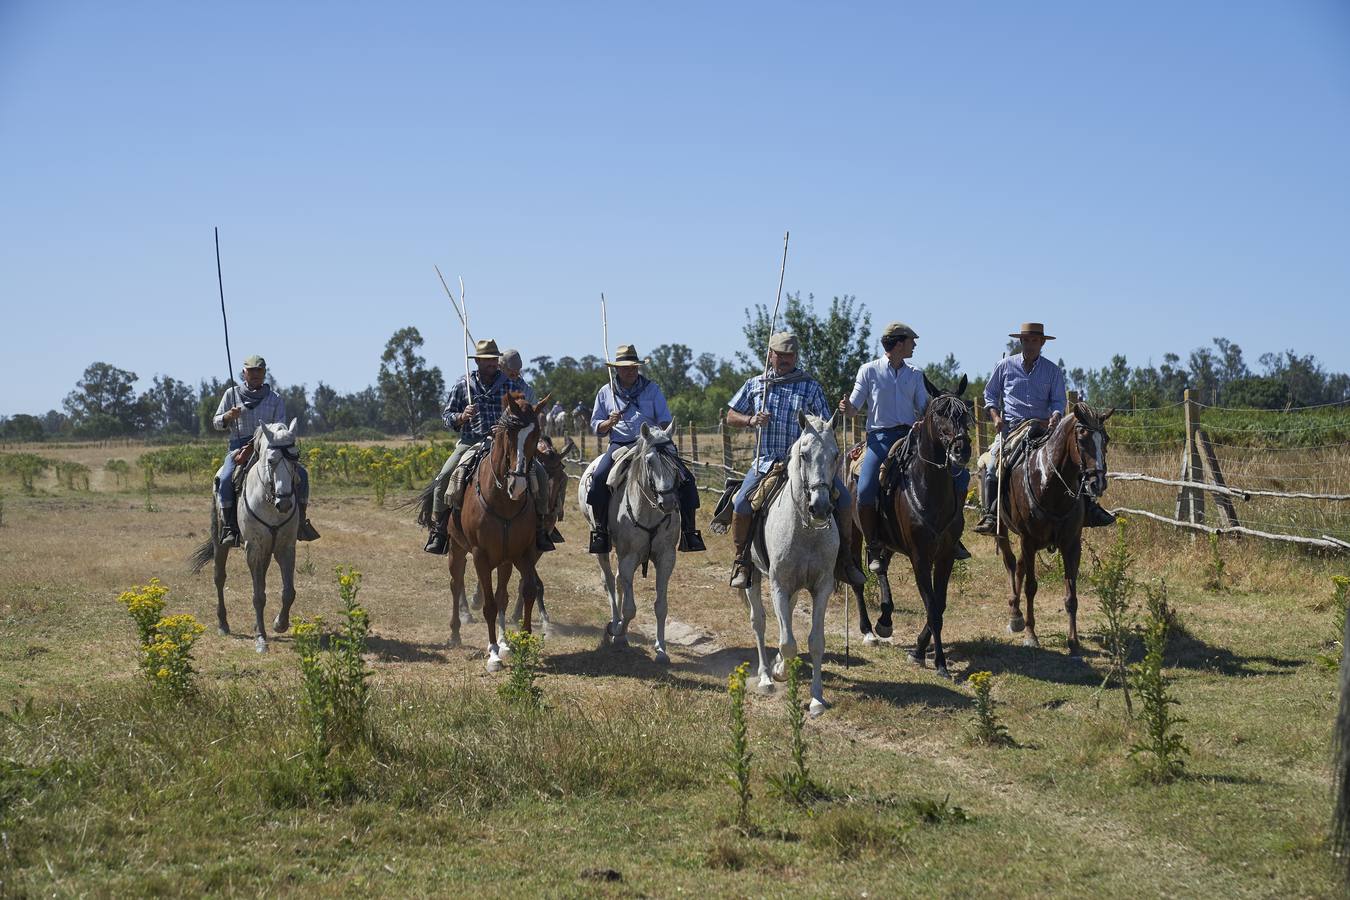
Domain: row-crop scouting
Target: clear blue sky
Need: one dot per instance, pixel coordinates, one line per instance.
(1142, 177)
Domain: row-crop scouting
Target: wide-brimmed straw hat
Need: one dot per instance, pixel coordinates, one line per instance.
(627, 356)
(486, 350)
(1032, 328)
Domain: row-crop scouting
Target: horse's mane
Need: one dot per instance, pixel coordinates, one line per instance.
(1087, 415)
(950, 407)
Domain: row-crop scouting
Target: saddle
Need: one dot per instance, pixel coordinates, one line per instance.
(721, 520)
(764, 493)
(239, 475)
(896, 464)
(855, 458)
(463, 473)
(618, 472)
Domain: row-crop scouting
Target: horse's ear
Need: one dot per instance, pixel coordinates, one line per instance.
(829, 423)
(801, 420)
(291, 427)
(670, 430)
(962, 385)
(1106, 415)
(932, 389)
(543, 400)
(646, 432)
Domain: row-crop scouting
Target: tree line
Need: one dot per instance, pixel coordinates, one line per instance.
(835, 340)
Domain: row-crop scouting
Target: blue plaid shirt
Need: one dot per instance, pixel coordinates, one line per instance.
(488, 399)
(1020, 395)
(785, 401)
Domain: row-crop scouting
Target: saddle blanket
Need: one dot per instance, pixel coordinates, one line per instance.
(1012, 448)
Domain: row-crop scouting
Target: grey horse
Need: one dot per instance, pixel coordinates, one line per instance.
(268, 525)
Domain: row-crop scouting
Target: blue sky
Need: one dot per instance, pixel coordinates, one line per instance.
(1142, 177)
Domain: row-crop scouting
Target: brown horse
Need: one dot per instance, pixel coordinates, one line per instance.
(554, 463)
(1043, 504)
(497, 523)
(923, 519)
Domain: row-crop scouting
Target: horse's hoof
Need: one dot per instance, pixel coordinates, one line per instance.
(766, 685)
(882, 630)
(662, 658)
(916, 659)
(504, 650)
(817, 707)
(454, 642)
(223, 630)
(941, 672)
(1016, 625)
(260, 645)
(494, 664)
(281, 625)
(619, 641)
(1030, 641)
(870, 638)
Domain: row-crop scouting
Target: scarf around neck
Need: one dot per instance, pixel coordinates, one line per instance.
(630, 395)
(251, 399)
(797, 374)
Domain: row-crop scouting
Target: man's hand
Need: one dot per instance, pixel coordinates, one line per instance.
(613, 418)
(760, 418)
(997, 419)
(845, 407)
(469, 412)
(232, 414)
(242, 454)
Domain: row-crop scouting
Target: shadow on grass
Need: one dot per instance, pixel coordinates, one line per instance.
(638, 663)
(925, 690)
(395, 650)
(998, 657)
(1186, 651)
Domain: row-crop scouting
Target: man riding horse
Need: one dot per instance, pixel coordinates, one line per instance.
(895, 397)
(473, 408)
(1026, 387)
(791, 392)
(639, 401)
(242, 409)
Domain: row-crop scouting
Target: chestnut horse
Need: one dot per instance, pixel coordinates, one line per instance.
(923, 519)
(1043, 504)
(497, 522)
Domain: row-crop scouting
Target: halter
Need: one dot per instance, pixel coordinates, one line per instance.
(803, 510)
(290, 458)
(504, 426)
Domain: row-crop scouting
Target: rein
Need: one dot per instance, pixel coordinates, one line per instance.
(290, 459)
(640, 475)
(953, 411)
(1074, 457)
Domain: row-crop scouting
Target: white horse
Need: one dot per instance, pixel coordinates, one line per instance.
(268, 522)
(644, 526)
(800, 546)
(557, 421)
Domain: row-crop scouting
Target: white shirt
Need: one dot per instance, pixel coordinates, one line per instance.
(894, 396)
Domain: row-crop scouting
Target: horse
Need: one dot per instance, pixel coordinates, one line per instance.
(497, 522)
(644, 520)
(268, 526)
(936, 499)
(581, 419)
(796, 550)
(557, 421)
(552, 459)
(922, 519)
(1042, 504)
(1340, 834)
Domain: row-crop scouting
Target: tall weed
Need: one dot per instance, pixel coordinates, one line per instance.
(1163, 746)
(1110, 576)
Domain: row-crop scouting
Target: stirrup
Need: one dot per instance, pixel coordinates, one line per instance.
(438, 542)
(542, 542)
(556, 536)
(847, 571)
(691, 542)
(306, 532)
(599, 541)
(961, 552)
(740, 575)
(987, 524)
(1096, 516)
(874, 554)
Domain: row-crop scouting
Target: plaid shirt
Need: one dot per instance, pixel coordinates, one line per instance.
(785, 401)
(488, 400)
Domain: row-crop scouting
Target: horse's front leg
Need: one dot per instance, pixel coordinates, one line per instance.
(1027, 568)
(611, 591)
(820, 605)
(665, 565)
(787, 643)
(484, 571)
(627, 568)
(222, 553)
(501, 598)
(755, 600)
(864, 621)
(1071, 551)
(922, 565)
(885, 627)
(530, 587)
(286, 562)
(258, 561)
(937, 608)
(1015, 621)
(458, 560)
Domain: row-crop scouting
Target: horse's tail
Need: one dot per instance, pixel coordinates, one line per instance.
(206, 550)
(423, 503)
(1341, 825)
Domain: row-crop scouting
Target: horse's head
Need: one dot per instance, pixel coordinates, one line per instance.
(949, 420)
(1090, 437)
(658, 472)
(518, 429)
(812, 463)
(278, 457)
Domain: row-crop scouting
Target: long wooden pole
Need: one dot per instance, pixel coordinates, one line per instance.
(220, 282)
(604, 325)
(468, 381)
(773, 323)
(453, 303)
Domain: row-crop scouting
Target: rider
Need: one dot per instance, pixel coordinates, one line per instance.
(1022, 387)
(511, 364)
(895, 397)
(791, 391)
(242, 409)
(640, 402)
(473, 410)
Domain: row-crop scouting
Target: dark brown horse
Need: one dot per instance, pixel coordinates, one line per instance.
(554, 463)
(497, 523)
(1043, 504)
(922, 519)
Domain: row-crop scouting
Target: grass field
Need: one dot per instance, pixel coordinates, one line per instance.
(618, 787)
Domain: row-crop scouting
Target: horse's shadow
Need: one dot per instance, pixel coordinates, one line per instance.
(999, 656)
(395, 650)
(926, 692)
(635, 662)
(1187, 651)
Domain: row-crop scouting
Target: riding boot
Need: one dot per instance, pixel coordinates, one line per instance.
(989, 520)
(543, 542)
(846, 564)
(961, 551)
(871, 524)
(600, 515)
(1093, 514)
(555, 535)
(438, 541)
(229, 526)
(691, 541)
(306, 531)
(741, 528)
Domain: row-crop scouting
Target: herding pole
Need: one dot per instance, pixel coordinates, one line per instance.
(464, 317)
(773, 323)
(229, 359)
(604, 324)
(452, 300)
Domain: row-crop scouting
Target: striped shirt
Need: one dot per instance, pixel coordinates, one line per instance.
(487, 399)
(269, 411)
(894, 397)
(648, 407)
(1020, 395)
(778, 435)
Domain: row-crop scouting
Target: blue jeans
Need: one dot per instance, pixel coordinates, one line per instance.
(225, 489)
(741, 504)
(869, 476)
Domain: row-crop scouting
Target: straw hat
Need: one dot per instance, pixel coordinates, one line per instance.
(485, 350)
(1034, 329)
(627, 356)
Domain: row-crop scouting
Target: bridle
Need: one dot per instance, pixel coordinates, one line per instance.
(803, 508)
(506, 425)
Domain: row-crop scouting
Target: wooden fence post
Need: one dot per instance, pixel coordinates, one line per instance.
(981, 434)
(1223, 501)
(693, 440)
(726, 441)
(1191, 501)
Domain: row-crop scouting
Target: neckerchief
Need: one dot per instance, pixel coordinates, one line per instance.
(250, 399)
